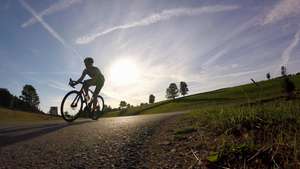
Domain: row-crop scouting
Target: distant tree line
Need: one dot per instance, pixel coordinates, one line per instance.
(283, 72)
(107, 108)
(27, 101)
(288, 85)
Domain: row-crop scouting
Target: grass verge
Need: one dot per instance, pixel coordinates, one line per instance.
(257, 136)
(10, 116)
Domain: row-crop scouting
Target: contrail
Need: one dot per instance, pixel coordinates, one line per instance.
(59, 6)
(282, 10)
(158, 17)
(48, 28)
(285, 57)
(215, 57)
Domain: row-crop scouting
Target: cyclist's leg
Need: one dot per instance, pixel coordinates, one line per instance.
(87, 84)
(99, 85)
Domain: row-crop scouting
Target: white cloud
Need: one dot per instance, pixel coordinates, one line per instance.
(56, 7)
(158, 17)
(48, 27)
(282, 10)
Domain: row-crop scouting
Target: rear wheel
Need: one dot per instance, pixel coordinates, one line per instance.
(71, 106)
(99, 108)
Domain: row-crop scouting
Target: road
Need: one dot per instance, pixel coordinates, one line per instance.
(107, 143)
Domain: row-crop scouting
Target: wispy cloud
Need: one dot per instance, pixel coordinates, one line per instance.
(48, 27)
(49, 73)
(56, 7)
(158, 17)
(238, 74)
(282, 10)
(215, 57)
(58, 85)
(285, 57)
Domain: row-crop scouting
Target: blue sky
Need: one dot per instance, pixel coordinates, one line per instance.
(143, 45)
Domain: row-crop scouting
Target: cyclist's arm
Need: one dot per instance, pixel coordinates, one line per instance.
(84, 73)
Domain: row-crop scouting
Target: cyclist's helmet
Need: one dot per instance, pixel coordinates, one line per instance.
(88, 60)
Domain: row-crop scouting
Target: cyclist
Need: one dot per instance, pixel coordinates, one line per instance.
(97, 79)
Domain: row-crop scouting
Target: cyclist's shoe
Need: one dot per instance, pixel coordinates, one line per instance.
(87, 109)
(95, 115)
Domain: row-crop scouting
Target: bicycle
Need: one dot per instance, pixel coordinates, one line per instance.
(72, 104)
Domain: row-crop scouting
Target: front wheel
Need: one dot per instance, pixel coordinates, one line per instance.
(71, 106)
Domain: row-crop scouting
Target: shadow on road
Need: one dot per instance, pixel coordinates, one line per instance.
(16, 134)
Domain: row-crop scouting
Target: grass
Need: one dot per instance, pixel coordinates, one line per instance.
(266, 91)
(8, 116)
(260, 136)
(185, 130)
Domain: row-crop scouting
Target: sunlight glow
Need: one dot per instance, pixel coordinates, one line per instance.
(124, 72)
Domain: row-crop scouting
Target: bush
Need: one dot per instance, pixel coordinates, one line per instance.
(5, 98)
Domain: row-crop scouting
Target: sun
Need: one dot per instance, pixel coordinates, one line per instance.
(124, 72)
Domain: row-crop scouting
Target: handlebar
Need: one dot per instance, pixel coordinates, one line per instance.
(71, 83)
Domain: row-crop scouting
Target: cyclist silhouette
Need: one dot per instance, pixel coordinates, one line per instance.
(97, 79)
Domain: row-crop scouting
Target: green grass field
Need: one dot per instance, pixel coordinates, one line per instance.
(245, 94)
(11, 116)
(257, 126)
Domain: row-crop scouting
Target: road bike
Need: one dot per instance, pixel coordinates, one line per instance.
(75, 103)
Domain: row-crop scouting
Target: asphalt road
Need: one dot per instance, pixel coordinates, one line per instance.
(107, 143)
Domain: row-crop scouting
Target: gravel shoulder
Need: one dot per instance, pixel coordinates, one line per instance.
(176, 146)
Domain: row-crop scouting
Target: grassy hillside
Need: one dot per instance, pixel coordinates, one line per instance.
(255, 125)
(7, 115)
(245, 94)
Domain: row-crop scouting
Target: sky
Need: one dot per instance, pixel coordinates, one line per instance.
(141, 46)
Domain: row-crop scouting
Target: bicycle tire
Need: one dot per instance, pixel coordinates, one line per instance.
(63, 102)
(100, 101)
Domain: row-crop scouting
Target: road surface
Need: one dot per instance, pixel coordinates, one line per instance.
(107, 143)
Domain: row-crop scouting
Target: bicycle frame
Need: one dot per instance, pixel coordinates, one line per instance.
(82, 93)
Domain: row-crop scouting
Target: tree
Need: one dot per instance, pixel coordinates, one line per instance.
(5, 98)
(183, 88)
(283, 71)
(172, 91)
(151, 98)
(288, 87)
(107, 108)
(30, 96)
(143, 104)
(123, 104)
(268, 75)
